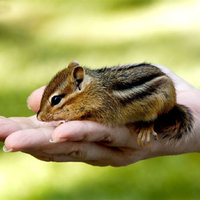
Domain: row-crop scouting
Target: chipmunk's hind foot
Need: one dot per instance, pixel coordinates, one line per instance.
(144, 134)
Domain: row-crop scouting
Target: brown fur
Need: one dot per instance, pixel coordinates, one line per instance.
(109, 96)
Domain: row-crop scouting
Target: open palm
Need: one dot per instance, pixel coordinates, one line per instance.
(91, 142)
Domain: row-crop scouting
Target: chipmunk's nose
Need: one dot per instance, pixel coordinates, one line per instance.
(39, 116)
(38, 112)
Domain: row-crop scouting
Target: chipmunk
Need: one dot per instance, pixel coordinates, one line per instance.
(134, 93)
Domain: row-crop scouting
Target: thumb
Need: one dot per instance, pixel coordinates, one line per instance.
(33, 101)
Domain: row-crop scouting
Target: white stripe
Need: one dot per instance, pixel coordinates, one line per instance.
(128, 92)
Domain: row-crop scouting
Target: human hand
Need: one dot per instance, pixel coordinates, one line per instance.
(92, 142)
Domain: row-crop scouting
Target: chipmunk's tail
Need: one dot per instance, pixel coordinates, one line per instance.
(175, 124)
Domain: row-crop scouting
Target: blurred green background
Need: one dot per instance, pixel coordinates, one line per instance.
(39, 38)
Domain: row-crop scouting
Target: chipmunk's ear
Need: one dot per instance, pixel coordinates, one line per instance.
(78, 75)
(73, 64)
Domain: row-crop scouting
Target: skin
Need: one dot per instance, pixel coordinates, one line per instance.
(94, 143)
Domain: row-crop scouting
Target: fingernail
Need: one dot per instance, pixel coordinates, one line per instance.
(6, 150)
(28, 104)
(57, 140)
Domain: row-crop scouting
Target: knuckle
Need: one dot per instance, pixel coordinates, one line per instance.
(106, 139)
(77, 154)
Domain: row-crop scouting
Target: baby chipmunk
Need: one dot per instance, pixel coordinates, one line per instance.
(134, 93)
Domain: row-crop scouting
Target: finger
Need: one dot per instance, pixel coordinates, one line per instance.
(91, 153)
(34, 99)
(180, 84)
(32, 139)
(13, 124)
(7, 127)
(36, 143)
(32, 122)
(89, 131)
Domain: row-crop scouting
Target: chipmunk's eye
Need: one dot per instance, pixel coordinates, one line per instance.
(56, 99)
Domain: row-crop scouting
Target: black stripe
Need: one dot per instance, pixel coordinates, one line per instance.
(135, 82)
(122, 67)
(133, 66)
(148, 90)
(138, 96)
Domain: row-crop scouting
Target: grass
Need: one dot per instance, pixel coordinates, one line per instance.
(39, 38)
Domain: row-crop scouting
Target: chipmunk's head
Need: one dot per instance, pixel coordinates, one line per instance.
(62, 94)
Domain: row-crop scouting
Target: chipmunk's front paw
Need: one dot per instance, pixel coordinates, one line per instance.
(145, 133)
